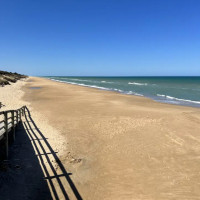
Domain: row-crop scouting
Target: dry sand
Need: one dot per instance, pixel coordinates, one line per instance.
(11, 97)
(118, 146)
(31, 162)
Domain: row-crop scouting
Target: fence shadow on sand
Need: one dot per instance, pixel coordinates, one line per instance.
(30, 168)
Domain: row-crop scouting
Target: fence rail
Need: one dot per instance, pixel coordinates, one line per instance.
(7, 128)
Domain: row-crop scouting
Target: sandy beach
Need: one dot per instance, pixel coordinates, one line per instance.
(116, 146)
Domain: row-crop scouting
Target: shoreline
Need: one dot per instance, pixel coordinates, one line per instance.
(161, 99)
(121, 146)
(122, 93)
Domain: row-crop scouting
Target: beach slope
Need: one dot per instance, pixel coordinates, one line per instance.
(121, 146)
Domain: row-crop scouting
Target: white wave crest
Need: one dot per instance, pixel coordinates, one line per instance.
(177, 99)
(106, 82)
(118, 90)
(161, 95)
(134, 93)
(135, 83)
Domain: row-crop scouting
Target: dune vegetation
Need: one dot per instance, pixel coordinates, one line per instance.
(8, 77)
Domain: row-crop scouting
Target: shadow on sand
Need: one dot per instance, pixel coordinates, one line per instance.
(30, 174)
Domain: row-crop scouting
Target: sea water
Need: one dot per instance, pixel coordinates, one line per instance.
(174, 90)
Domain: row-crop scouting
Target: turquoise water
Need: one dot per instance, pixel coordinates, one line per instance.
(174, 90)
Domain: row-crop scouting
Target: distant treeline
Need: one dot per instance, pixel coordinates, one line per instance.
(8, 77)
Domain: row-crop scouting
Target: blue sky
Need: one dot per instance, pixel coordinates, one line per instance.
(104, 37)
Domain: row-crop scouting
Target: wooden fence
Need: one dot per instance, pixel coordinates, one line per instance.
(11, 119)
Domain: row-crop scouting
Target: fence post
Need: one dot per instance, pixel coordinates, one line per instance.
(17, 117)
(13, 125)
(20, 114)
(23, 111)
(6, 134)
(24, 108)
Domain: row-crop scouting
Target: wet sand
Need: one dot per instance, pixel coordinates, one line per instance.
(121, 146)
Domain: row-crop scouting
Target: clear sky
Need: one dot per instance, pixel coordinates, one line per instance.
(100, 37)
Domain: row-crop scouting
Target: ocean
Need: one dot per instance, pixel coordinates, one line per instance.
(174, 90)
